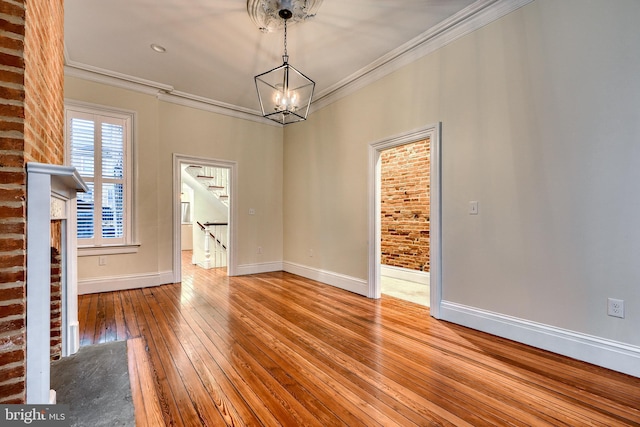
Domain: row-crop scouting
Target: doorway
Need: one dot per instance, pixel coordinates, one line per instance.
(404, 206)
(204, 213)
(432, 134)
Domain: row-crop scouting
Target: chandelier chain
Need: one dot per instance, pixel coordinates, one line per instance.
(285, 38)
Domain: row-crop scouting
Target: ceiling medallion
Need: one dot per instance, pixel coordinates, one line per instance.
(264, 13)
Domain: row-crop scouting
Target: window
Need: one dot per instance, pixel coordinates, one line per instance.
(99, 146)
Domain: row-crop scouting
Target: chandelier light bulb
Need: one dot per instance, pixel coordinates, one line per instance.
(284, 99)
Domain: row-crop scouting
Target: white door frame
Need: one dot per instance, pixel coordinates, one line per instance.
(435, 235)
(178, 160)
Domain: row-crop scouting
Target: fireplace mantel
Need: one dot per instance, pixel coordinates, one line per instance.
(51, 193)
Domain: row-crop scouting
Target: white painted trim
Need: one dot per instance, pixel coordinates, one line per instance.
(109, 250)
(74, 333)
(263, 267)
(178, 160)
(38, 288)
(432, 132)
(162, 92)
(475, 16)
(129, 118)
(65, 179)
(112, 78)
(206, 104)
(348, 283)
(435, 225)
(45, 181)
(609, 354)
(404, 274)
(119, 283)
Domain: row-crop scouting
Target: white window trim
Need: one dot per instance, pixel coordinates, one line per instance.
(131, 243)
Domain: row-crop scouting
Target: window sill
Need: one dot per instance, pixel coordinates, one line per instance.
(108, 250)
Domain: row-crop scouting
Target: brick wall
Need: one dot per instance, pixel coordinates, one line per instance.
(31, 129)
(405, 206)
(56, 290)
(44, 82)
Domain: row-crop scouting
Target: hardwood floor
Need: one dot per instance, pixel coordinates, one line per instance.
(277, 349)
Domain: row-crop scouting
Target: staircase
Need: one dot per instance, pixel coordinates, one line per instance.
(210, 193)
(214, 180)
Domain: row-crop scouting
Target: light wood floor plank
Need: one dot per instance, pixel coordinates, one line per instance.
(171, 411)
(143, 389)
(179, 358)
(84, 307)
(277, 349)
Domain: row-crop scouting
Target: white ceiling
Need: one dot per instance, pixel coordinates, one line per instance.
(214, 49)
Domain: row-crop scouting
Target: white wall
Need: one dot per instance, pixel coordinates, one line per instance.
(257, 149)
(540, 115)
(147, 260)
(163, 129)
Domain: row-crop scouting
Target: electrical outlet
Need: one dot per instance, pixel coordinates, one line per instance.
(615, 307)
(102, 260)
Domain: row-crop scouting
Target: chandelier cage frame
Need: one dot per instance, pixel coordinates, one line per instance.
(284, 92)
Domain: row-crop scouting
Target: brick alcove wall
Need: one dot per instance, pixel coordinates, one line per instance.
(405, 184)
(31, 129)
(56, 289)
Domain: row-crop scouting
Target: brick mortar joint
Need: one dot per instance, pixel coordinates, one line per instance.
(15, 86)
(12, 236)
(18, 252)
(15, 301)
(11, 168)
(18, 204)
(13, 102)
(13, 397)
(12, 364)
(11, 69)
(12, 18)
(11, 285)
(13, 381)
(10, 318)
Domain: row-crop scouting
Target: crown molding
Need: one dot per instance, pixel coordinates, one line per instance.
(473, 17)
(162, 92)
(113, 78)
(206, 104)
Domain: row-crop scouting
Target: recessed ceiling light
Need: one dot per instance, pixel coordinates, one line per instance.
(158, 48)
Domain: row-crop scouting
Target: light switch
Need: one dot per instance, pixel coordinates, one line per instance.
(473, 208)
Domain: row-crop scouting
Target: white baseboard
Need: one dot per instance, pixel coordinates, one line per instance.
(348, 283)
(118, 283)
(73, 339)
(341, 281)
(405, 274)
(609, 354)
(263, 267)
